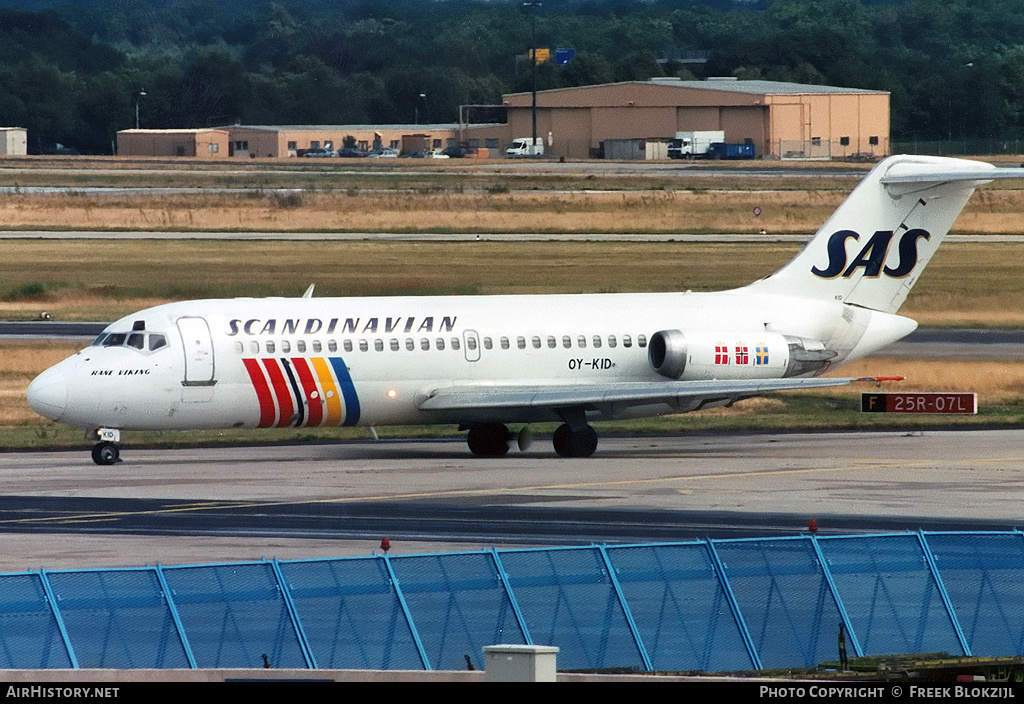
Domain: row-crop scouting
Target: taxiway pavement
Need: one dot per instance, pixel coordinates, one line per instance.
(762, 484)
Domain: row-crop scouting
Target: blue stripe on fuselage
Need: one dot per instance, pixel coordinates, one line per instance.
(348, 390)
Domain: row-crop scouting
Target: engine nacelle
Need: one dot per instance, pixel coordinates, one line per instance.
(734, 355)
(666, 351)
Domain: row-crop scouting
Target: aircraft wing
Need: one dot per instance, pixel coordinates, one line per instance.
(497, 396)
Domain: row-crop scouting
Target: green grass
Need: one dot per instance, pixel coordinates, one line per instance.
(797, 413)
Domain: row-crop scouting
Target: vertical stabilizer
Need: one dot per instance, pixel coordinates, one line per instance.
(875, 246)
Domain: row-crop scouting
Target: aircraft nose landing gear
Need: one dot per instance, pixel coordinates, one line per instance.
(106, 451)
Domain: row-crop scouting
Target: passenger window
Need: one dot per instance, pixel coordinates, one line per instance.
(597, 341)
(456, 345)
(316, 346)
(487, 343)
(551, 341)
(410, 344)
(300, 346)
(239, 347)
(424, 344)
(378, 345)
(641, 340)
(627, 341)
(521, 343)
(348, 345)
(566, 341)
(156, 341)
(581, 341)
(504, 343)
(440, 343)
(270, 347)
(536, 342)
(254, 347)
(611, 340)
(471, 343)
(394, 344)
(364, 346)
(286, 347)
(332, 346)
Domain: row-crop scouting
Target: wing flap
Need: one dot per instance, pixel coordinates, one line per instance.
(476, 397)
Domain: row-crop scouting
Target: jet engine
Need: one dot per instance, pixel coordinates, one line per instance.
(735, 355)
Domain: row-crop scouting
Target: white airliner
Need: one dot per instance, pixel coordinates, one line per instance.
(486, 362)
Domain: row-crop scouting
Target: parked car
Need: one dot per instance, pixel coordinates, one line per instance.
(460, 152)
(436, 154)
(319, 153)
(418, 154)
(351, 152)
(383, 153)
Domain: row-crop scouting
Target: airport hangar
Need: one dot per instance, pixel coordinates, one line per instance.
(783, 120)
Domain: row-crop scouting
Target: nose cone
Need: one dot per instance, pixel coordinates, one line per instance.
(48, 394)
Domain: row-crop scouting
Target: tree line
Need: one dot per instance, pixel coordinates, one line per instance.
(77, 72)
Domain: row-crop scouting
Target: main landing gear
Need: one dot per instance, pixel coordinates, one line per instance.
(106, 451)
(494, 439)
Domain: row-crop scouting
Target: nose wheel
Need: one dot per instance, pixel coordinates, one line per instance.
(105, 453)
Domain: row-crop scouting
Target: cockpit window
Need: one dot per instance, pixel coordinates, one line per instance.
(136, 340)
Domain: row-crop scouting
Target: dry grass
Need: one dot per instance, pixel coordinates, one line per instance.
(544, 212)
(21, 363)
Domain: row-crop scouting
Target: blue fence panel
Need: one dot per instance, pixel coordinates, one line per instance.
(118, 619)
(785, 599)
(458, 605)
(679, 607)
(30, 636)
(351, 615)
(984, 576)
(712, 606)
(890, 594)
(235, 616)
(568, 600)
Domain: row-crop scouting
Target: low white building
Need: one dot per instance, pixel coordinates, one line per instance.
(14, 141)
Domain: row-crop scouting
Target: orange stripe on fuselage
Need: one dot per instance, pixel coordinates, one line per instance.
(331, 393)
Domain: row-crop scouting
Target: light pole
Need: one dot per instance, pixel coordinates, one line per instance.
(142, 94)
(423, 97)
(532, 9)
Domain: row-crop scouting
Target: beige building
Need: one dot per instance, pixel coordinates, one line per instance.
(782, 120)
(294, 140)
(13, 141)
(197, 143)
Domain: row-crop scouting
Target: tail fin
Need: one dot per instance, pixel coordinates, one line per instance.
(896, 218)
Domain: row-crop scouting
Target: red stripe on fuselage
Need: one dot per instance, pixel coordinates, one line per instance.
(281, 391)
(314, 405)
(259, 382)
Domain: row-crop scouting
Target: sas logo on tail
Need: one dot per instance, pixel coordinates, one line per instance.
(872, 255)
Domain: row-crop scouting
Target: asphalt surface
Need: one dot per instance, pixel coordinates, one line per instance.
(195, 505)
